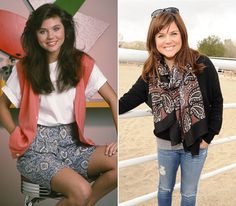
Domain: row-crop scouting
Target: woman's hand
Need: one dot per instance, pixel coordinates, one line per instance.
(111, 149)
(203, 144)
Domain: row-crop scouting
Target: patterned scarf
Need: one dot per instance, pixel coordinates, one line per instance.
(177, 105)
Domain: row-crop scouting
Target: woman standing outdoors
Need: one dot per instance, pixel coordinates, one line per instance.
(50, 86)
(182, 89)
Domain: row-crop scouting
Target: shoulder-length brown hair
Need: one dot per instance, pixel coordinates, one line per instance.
(185, 56)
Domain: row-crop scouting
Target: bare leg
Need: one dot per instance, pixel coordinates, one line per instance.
(74, 187)
(77, 190)
(107, 167)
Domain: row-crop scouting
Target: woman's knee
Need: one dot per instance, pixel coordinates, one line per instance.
(80, 196)
(188, 192)
(112, 173)
(112, 176)
(114, 163)
(165, 190)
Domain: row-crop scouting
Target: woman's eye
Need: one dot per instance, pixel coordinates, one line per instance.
(41, 32)
(56, 29)
(160, 36)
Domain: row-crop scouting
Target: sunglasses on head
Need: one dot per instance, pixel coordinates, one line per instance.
(169, 10)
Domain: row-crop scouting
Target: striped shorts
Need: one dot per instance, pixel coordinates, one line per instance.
(53, 149)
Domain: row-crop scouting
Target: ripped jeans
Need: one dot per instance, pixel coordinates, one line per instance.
(191, 167)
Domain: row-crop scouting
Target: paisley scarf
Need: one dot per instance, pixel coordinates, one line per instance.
(177, 104)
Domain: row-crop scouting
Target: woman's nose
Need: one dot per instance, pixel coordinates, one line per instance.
(50, 34)
(168, 39)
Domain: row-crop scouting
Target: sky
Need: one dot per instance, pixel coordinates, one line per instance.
(202, 18)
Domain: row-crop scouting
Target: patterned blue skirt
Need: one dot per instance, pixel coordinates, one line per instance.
(55, 148)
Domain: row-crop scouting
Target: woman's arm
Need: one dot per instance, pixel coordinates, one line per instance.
(215, 100)
(110, 97)
(5, 115)
(137, 95)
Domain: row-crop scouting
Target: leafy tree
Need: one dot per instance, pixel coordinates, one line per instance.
(211, 46)
(138, 45)
(230, 48)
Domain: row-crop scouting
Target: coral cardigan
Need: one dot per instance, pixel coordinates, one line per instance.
(24, 134)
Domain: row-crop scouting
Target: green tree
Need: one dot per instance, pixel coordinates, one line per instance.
(230, 48)
(211, 46)
(138, 45)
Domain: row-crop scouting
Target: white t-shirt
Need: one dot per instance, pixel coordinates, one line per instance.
(55, 108)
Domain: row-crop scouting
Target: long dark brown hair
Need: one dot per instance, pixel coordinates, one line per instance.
(35, 62)
(185, 56)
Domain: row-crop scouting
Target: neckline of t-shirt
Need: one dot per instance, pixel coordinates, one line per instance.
(52, 63)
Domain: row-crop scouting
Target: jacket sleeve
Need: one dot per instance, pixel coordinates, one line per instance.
(215, 102)
(137, 95)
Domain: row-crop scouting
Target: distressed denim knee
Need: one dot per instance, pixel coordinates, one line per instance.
(164, 196)
(165, 190)
(188, 198)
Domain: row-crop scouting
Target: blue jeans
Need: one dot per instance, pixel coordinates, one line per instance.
(191, 167)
